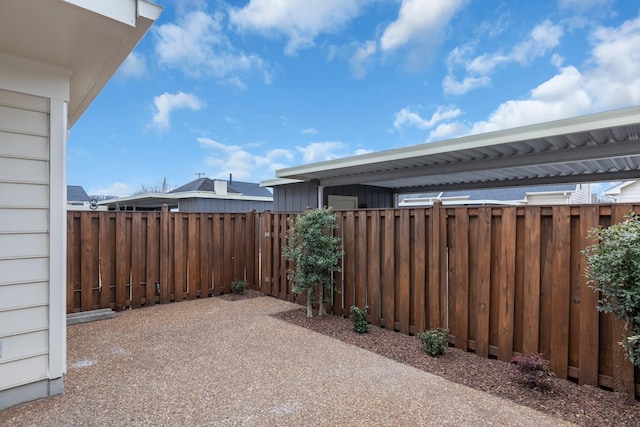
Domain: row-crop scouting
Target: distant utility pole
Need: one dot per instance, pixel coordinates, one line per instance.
(200, 174)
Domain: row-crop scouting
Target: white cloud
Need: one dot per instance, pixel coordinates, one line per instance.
(447, 130)
(418, 20)
(134, 66)
(300, 21)
(198, 46)
(309, 131)
(542, 38)
(116, 189)
(236, 160)
(320, 151)
(452, 86)
(361, 60)
(168, 102)
(407, 118)
(583, 5)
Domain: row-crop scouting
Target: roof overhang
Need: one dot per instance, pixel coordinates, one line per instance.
(150, 200)
(591, 148)
(90, 39)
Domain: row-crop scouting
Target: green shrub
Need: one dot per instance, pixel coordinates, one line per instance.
(613, 269)
(359, 319)
(532, 370)
(239, 286)
(435, 341)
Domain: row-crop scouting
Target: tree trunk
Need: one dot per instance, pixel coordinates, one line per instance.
(321, 310)
(309, 306)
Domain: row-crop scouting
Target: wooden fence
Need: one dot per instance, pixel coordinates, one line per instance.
(504, 280)
(130, 259)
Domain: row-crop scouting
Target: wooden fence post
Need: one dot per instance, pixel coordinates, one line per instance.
(164, 254)
(589, 316)
(435, 274)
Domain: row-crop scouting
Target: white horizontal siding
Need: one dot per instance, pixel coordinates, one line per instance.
(21, 101)
(24, 238)
(24, 170)
(22, 346)
(23, 295)
(24, 220)
(25, 270)
(630, 193)
(24, 146)
(24, 195)
(23, 245)
(13, 322)
(24, 371)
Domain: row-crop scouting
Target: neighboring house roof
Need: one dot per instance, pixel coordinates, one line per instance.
(591, 148)
(75, 193)
(239, 187)
(509, 195)
(201, 188)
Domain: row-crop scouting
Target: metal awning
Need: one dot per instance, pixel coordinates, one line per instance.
(592, 148)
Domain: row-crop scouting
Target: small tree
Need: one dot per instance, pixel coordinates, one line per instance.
(315, 253)
(613, 269)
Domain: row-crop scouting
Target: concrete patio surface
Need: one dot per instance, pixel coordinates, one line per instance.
(212, 362)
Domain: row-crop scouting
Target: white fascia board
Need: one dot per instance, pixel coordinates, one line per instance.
(617, 189)
(550, 193)
(125, 11)
(279, 181)
(603, 120)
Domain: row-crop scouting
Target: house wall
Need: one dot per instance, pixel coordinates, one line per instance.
(223, 205)
(582, 195)
(295, 197)
(33, 111)
(629, 193)
(368, 196)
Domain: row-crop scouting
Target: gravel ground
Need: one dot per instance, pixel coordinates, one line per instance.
(584, 405)
(231, 363)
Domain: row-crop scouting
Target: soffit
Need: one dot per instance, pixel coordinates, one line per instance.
(90, 45)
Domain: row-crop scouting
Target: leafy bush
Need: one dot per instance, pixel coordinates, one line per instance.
(613, 269)
(315, 252)
(435, 341)
(359, 319)
(532, 370)
(239, 286)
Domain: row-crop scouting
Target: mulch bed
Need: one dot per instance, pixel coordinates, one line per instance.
(584, 405)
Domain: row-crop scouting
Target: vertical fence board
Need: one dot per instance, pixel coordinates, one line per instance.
(373, 272)
(403, 271)
(349, 260)
(435, 273)
(193, 267)
(361, 260)
(266, 255)
(506, 283)
(153, 257)
(106, 244)
(218, 239)
(589, 319)
(418, 270)
(164, 255)
(86, 262)
(560, 292)
(180, 257)
(135, 276)
(460, 305)
(122, 273)
(483, 293)
(388, 273)
(206, 261)
(531, 318)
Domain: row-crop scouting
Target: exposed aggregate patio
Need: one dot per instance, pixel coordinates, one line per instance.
(212, 362)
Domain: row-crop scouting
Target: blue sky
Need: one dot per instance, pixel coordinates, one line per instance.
(249, 87)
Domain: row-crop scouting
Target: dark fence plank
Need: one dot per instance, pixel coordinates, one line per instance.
(560, 294)
(531, 316)
(483, 293)
(506, 283)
